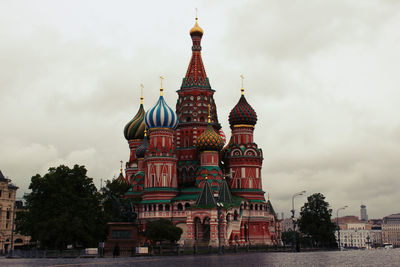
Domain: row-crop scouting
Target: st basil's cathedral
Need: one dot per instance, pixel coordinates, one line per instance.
(181, 170)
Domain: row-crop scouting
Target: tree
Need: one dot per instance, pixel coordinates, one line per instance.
(161, 230)
(315, 221)
(113, 197)
(63, 208)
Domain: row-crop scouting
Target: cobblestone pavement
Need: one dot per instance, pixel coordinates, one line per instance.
(343, 258)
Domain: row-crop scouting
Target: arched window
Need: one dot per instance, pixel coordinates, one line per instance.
(188, 119)
(160, 207)
(191, 172)
(187, 206)
(184, 174)
(167, 207)
(256, 207)
(180, 207)
(251, 206)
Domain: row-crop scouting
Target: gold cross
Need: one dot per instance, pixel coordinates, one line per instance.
(209, 113)
(161, 89)
(141, 93)
(161, 78)
(242, 77)
(121, 165)
(196, 13)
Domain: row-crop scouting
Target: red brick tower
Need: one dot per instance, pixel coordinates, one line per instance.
(134, 133)
(194, 97)
(242, 155)
(209, 144)
(160, 161)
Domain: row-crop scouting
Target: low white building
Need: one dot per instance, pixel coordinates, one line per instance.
(359, 235)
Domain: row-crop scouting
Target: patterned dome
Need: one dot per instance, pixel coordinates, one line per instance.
(242, 113)
(141, 149)
(135, 127)
(210, 140)
(161, 116)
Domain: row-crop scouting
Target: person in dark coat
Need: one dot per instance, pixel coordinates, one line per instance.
(116, 251)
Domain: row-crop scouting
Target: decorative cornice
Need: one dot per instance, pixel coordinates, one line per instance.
(243, 125)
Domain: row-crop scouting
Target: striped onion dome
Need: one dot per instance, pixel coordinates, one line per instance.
(135, 127)
(141, 149)
(161, 116)
(210, 140)
(242, 113)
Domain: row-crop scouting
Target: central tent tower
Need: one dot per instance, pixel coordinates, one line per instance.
(194, 98)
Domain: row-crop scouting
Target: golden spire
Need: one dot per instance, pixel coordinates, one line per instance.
(242, 90)
(161, 89)
(145, 132)
(121, 165)
(206, 177)
(141, 93)
(196, 27)
(209, 113)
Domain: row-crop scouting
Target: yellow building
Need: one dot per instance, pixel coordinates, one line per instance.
(7, 199)
(391, 229)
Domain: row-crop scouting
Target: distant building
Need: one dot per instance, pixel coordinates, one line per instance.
(7, 198)
(287, 225)
(391, 229)
(363, 213)
(355, 233)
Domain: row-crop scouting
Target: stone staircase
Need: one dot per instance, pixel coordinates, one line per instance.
(234, 226)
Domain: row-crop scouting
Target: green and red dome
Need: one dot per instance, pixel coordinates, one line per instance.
(135, 127)
(242, 113)
(210, 140)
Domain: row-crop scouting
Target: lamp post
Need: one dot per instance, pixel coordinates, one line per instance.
(219, 206)
(338, 226)
(294, 222)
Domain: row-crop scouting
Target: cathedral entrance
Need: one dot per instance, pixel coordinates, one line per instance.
(202, 231)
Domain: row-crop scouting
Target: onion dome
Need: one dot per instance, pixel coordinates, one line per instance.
(209, 140)
(161, 115)
(141, 149)
(196, 30)
(135, 127)
(242, 113)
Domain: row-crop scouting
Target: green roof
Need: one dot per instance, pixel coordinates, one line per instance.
(186, 197)
(191, 189)
(161, 189)
(246, 190)
(224, 194)
(152, 201)
(206, 197)
(257, 201)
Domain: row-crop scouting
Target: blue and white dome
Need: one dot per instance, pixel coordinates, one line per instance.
(161, 116)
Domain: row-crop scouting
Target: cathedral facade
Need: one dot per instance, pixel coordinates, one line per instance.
(181, 169)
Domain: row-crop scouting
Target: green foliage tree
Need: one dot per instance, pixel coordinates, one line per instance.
(63, 208)
(162, 230)
(112, 195)
(315, 221)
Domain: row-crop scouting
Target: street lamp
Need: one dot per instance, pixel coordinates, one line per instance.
(338, 226)
(294, 222)
(219, 206)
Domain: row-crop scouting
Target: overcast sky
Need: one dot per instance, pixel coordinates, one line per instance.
(321, 75)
